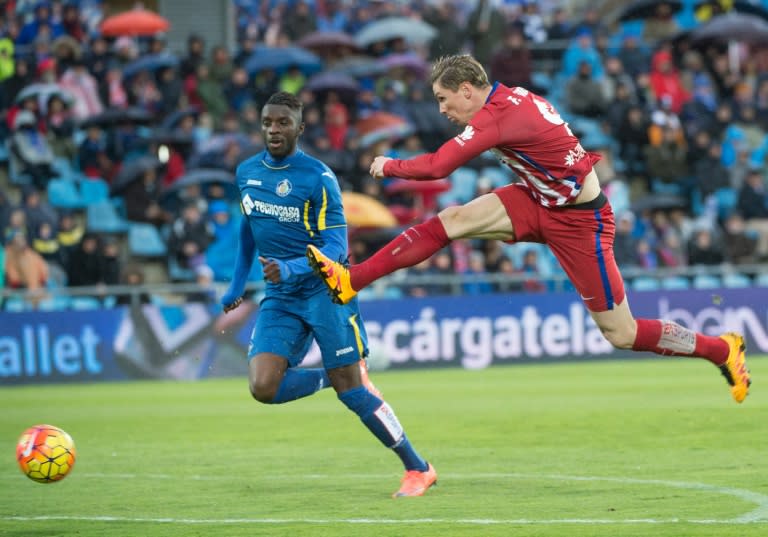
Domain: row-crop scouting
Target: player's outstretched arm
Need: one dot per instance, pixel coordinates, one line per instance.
(246, 251)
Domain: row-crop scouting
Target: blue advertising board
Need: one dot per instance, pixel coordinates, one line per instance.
(193, 341)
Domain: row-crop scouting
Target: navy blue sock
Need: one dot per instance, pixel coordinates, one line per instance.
(298, 383)
(378, 416)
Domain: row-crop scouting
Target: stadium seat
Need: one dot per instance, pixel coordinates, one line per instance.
(84, 303)
(63, 167)
(761, 280)
(177, 273)
(463, 184)
(727, 198)
(63, 194)
(737, 280)
(102, 217)
(675, 282)
(144, 240)
(645, 283)
(498, 175)
(705, 281)
(93, 190)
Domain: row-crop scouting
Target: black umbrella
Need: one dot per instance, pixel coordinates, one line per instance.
(113, 116)
(133, 170)
(732, 27)
(204, 177)
(333, 81)
(658, 202)
(646, 9)
(172, 120)
(171, 137)
(328, 40)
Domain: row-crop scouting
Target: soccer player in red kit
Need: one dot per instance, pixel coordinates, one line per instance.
(558, 202)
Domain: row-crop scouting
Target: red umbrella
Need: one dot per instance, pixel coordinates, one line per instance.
(135, 22)
(381, 126)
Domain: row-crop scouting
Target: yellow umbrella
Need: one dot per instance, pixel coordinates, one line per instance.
(365, 211)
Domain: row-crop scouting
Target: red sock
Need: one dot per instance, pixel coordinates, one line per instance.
(671, 339)
(411, 247)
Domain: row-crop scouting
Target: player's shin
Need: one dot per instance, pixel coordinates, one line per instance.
(298, 383)
(380, 419)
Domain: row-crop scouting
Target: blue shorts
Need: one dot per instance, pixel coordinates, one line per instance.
(286, 326)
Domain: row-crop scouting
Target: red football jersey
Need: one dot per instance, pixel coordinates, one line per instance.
(526, 133)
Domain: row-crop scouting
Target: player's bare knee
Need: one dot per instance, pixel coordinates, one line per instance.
(451, 215)
(263, 392)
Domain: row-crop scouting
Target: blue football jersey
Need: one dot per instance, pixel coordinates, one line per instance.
(289, 203)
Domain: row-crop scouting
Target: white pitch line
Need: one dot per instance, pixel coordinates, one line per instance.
(374, 521)
(759, 515)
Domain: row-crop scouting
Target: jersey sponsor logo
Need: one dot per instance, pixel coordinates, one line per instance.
(283, 188)
(283, 213)
(345, 350)
(253, 182)
(574, 155)
(466, 135)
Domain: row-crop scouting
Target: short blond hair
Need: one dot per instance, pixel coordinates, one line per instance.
(451, 71)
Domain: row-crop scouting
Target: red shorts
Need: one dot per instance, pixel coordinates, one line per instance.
(581, 238)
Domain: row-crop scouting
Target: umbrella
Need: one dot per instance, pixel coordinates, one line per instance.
(646, 9)
(173, 119)
(133, 170)
(408, 61)
(43, 91)
(171, 137)
(414, 31)
(658, 202)
(114, 116)
(281, 59)
(135, 22)
(382, 126)
(330, 81)
(358, 66)
(361, 210)
(327, 40)
(171, 197)
(151, 62)
(733, 27)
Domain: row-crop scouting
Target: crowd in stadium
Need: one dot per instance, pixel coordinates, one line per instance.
(117, 150)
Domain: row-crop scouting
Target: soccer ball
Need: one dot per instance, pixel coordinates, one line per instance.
(45, 453)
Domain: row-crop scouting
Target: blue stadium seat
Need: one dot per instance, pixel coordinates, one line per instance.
(463, 184)
(727, 198)
(645, 283)
(144, 240)
(497, 174)
(675, 282)
(63, 194)
(102, 217)
(93, 190)
(761, 280)
(737, 280)
(84, 303)
(705, 281)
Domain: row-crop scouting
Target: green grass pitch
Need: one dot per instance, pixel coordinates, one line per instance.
(622, 448)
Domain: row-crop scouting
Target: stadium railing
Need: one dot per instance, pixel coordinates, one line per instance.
(393, 286)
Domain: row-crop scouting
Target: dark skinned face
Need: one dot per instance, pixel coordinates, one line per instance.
(281, 128)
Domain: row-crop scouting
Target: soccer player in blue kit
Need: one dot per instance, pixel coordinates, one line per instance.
(290, 200)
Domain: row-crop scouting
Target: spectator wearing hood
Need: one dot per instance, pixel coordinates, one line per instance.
(42, 19)
(30, 148)
(24, 268)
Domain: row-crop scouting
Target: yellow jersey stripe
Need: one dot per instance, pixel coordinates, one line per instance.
(307, 225)
(323, 209)
(358, 339)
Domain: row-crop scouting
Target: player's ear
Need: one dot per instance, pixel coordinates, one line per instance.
(300, 130)
(466, 90)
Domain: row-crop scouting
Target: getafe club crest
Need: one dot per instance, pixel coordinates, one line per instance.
(284, 188)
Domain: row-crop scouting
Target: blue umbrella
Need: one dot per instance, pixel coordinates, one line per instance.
(333, 81)
(413, 31)
(281, 59)
(152, 62)
(358, 66)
